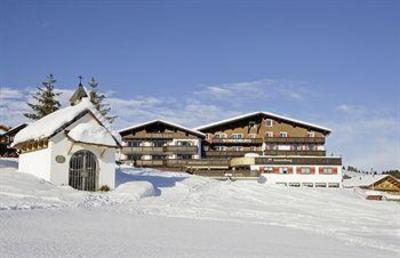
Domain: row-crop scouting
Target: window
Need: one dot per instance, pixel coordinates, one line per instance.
(237, 136)
(159, 143)
(183, 143)
(219, 148)
(283, 134)
(253, 148)
(184, 156)
(134, 143)
(134, 157)
(310, 134)
(283, 170)
(220, 135)
(313, 147)
(269, 122)
(327, 171)
(253, 135)
(269, 134)
(237, 148)
(305, 171)
(158, 157)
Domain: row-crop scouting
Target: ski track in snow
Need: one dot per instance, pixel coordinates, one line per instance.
(334, 213)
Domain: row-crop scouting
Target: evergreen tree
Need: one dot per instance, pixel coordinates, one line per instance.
(97, 99)
(45, 100)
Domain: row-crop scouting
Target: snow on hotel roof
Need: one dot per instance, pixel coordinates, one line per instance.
(364, 180)
(48, 125)
(164, 122)
(262, 113)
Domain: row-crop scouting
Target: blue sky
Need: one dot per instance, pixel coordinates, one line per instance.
(330, 62)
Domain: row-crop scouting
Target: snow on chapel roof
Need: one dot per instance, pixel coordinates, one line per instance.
(48, 125)
(92, 134)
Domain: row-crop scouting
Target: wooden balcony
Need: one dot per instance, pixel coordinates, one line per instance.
(299, 140)
(170, 135)
(184, 163)
(150, 163)
(209, 163)
(267, 152)
(234, 141)
(222, 173)
(299, 161)
(181, 149)
(160, 150)
(213, 153)
(143, 150)
(295, 153)
(176, 162)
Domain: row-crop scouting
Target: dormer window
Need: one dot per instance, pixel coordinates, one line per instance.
(269, 134)
(283, 134)
(220, 135)
(237, 136)
(252, 124)
(269, 122)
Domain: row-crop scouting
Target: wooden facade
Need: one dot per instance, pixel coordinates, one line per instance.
(263, 134)
(7, 138)
(160, 144)
(274, 139)
(385, 184)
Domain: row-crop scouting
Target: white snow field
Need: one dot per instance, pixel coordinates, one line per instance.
(165, 214)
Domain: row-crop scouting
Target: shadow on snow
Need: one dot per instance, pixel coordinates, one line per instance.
(158, 182)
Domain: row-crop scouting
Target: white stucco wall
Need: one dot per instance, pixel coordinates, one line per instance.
(272, 178)
(43, 163)
(36, 163)
(61, 145)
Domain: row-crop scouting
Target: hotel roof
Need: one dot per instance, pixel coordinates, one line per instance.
(272, 115)
(183, 128)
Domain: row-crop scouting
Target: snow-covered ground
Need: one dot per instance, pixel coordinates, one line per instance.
(163, 214)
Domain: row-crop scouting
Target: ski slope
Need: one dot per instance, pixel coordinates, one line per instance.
(162, 214)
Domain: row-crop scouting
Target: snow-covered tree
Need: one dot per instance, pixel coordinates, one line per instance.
(45, 100)
(97, 99)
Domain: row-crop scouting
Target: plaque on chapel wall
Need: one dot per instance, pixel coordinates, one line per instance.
(60, 159)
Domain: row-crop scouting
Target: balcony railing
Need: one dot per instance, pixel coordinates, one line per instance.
(149, 163)
(143, 150)
(183, 163)
(181, 149)
(236, 141)
(209, 162)
(160, 150)
(267, 152)
(228, 153)
(225, 173)
(295, 152)
(307, 140)
(156, 136)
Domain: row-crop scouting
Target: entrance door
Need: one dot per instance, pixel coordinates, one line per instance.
(82, 171)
